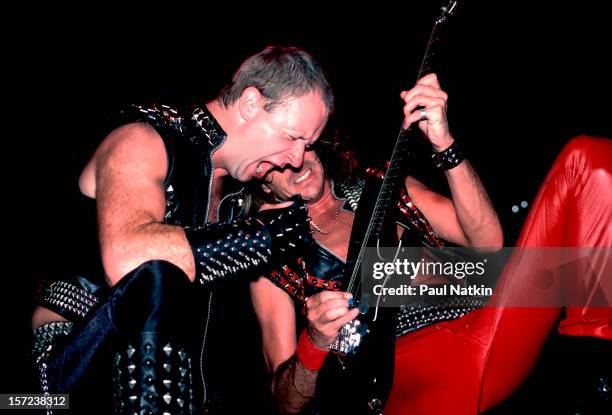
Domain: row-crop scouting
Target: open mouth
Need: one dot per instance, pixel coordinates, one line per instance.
(262, 169)
(303, 177)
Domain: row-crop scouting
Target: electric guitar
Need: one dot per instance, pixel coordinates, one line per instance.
(357, 377)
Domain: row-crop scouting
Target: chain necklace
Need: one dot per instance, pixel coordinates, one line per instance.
(334, 223)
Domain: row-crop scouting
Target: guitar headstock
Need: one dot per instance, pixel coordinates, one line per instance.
(446, 11)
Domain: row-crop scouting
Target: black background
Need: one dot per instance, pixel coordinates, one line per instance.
(522, 79)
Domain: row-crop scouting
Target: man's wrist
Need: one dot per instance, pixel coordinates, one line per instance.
(443, 144)
(448, 158)
(319, 341)
(309, 355)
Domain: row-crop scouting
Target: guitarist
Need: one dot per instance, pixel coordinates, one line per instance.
(293, 356)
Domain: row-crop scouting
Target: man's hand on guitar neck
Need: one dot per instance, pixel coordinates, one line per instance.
(327, 312)
(469, 219)
(426, 104)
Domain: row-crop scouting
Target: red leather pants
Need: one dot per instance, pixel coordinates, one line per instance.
(468, 365)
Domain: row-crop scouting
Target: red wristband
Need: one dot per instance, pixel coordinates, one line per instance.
(309, 355)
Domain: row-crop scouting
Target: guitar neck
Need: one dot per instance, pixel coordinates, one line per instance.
(392, 176)
(427, 63)
(391, 183)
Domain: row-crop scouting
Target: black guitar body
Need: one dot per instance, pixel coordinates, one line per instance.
(360, 383)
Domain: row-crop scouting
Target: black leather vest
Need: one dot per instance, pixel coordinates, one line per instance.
(323, 262)
(190, 137)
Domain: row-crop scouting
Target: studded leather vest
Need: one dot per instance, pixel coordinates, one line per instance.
(190, 138)
(322, 262)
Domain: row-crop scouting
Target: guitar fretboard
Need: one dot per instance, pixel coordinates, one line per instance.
(391, 182)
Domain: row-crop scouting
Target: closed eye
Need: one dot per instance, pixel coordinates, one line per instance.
(308, 146)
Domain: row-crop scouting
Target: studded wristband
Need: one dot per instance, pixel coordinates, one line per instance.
(449, 158)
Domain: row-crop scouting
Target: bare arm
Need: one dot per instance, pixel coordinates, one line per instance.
(474, 210)
(276, 315)
(469, 219)
(126, 177)
(293, 385)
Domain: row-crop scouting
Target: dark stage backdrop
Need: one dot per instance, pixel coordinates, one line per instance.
(522, 82)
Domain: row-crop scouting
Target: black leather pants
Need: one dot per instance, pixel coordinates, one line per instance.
(134, 351)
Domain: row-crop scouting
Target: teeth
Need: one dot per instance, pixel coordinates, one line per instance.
(303, 176)
(259, 168)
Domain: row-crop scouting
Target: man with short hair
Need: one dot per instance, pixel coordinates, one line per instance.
(157, 182)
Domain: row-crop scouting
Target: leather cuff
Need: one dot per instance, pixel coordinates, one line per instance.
(229, 249)
(449, 158)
